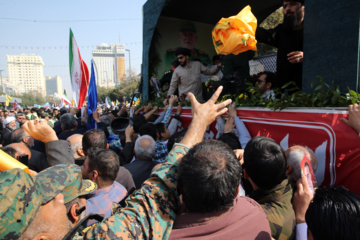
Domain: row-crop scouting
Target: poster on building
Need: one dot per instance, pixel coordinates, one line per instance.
(174, 33)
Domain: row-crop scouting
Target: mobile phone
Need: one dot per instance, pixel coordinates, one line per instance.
(23, 158)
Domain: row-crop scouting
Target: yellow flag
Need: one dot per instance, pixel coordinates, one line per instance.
(7, 100)
(235, 34)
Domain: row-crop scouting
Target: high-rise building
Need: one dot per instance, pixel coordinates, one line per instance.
(26, 72)
(53, 86)
(109, 61)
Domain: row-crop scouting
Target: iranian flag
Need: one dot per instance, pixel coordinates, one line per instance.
(79, 73)
(65, 100)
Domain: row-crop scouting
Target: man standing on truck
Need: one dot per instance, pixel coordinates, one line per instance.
(186, 76)
(288, 38)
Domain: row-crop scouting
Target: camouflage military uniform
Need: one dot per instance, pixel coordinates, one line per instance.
(22, 195)
(277, 206)
(150, 211)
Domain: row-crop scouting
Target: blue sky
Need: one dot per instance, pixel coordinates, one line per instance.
(42, 27)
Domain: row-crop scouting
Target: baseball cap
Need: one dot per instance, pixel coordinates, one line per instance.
(119, 124)
(21, 195)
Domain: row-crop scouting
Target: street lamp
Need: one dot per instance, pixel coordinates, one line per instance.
(129, 62)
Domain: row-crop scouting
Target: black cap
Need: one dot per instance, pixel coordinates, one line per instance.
(119, 125)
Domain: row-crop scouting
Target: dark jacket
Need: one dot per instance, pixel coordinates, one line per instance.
(37, 162)
(140, 170)
(124, 178)
(59, 152)
(285, 41)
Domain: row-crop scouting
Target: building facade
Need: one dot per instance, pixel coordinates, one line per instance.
(109, 62)
(53, 86)
(26, 72)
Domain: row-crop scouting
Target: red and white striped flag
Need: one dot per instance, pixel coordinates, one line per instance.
(65, 100)
(79, 73)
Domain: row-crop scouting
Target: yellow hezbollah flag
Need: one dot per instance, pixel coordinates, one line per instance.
(7, 100)
(8, 162)
(235, 34)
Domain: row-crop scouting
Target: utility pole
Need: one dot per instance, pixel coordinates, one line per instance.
(129, 62)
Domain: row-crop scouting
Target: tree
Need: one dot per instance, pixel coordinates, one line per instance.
(31, 98)
(124, 89)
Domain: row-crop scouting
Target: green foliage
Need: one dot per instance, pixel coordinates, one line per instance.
(125, 89)
(323, 95)
(31, 98)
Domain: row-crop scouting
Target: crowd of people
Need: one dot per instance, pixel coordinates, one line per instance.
(137, 174)
(144, 178)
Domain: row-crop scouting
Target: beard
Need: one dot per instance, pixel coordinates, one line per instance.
(293, 21)
(183, 64)
(12, 128)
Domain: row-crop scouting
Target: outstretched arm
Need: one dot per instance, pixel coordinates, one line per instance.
(150, 211)
(354, 117)
(57, 151)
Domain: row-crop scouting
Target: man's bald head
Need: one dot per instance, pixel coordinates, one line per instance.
(76, 145)
(20, 149)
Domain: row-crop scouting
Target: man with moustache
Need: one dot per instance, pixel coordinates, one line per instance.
(288, 38)
(187, 76)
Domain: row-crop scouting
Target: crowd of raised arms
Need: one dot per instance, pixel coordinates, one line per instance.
(138, 174)
(150, 180)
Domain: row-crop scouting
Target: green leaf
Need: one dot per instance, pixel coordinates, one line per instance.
(287, 84)
(319, 87)
(353, 93)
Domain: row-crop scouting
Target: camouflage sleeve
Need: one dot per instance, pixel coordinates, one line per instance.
(150, 211)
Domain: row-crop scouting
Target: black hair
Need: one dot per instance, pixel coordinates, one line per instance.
(94, 138)
(175, 63)
(68, 121)
(230, 139)
(63, 110)
(265, 162)
(160, 129)
(209, 177)
(18, 135)
(215, 57)
(149, 129)
(334, 213)
(105, 161)
(182, 51)
(176, 138)
(138, 121)
(270, 78)
(9, 150)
